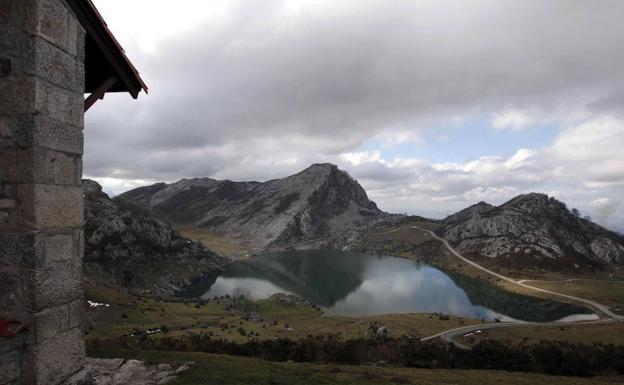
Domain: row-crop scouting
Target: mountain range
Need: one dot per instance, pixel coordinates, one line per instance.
(323, 202)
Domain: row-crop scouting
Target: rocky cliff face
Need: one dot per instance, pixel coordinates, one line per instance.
(130, 249)
(533, 228)
(318, 202)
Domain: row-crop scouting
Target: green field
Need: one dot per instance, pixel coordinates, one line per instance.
(588, 334)
(610, 293)
(230, 370)
(129, 313)
(224, 246)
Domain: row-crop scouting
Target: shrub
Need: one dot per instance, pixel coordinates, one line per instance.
(555, 358)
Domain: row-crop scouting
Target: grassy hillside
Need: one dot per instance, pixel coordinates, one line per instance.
(610, 293)
(222, 245)
(230, 370)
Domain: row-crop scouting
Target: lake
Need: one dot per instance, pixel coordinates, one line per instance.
(357, 284)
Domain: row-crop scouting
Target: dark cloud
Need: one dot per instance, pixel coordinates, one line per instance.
(264, 92)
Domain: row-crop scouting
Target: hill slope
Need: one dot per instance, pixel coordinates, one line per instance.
(533, 226)
(318, 202)
(137, 251)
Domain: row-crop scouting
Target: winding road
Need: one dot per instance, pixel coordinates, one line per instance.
(448, 335)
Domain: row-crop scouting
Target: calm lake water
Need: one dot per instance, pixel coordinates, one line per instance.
(350, 284)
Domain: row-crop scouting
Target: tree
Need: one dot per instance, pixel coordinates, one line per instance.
(576, 213)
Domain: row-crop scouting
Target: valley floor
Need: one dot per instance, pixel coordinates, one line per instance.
(229, 248)
(410, 241)
(242, 320)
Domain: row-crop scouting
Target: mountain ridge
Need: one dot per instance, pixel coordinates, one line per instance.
(319, 201)
(131, 249)
(533, 225)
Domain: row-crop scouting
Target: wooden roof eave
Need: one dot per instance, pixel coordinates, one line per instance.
(126, 76)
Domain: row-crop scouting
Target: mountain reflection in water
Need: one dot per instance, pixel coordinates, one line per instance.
(350, 284)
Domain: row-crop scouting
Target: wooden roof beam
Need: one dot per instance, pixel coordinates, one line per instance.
(99, 92)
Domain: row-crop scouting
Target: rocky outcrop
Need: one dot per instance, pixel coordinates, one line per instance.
(116, 371)
(128, 248)
(533, 228)
(321, 201)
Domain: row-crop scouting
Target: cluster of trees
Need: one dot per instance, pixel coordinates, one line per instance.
(555, 358)
(577, 214)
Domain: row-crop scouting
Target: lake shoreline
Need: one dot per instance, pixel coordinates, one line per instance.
(360, 284)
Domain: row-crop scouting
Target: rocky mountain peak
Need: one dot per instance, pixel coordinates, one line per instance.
(468, 212)
(535, 203)
(533, 227)
(91, 187)
(319, 201)
(319, 173)
(321, 166)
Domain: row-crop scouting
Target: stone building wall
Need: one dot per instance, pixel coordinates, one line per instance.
(41, 214)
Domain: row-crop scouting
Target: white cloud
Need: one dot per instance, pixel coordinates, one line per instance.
(512, 119)
(158, 19)
(591, 152)
(357, 158)
(604, 209)
(114, 186)
(582, 168)
(521, 158)
(393, 137)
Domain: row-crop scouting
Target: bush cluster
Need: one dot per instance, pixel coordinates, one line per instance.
(555, 358)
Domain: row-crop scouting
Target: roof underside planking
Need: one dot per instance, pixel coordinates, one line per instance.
(107, 68)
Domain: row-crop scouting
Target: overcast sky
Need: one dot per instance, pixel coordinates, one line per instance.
(431, 105)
